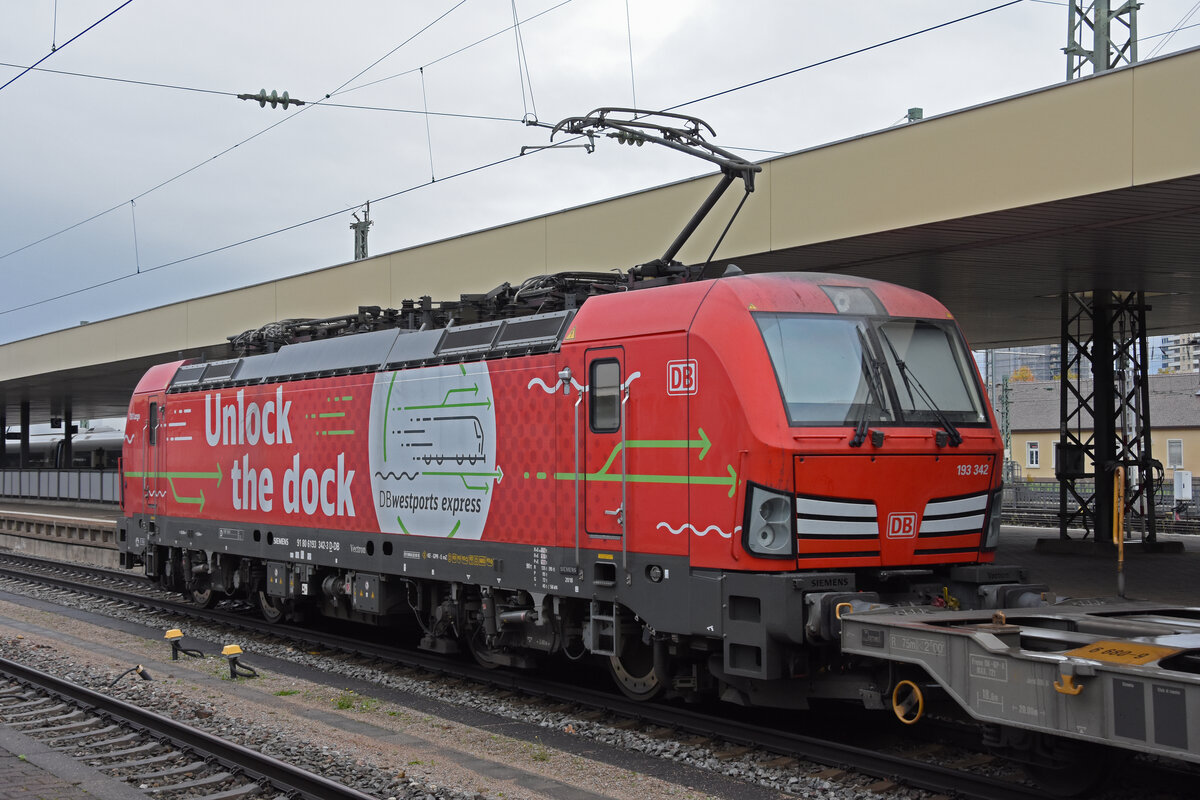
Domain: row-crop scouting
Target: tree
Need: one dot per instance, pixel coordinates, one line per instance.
(1022, 373)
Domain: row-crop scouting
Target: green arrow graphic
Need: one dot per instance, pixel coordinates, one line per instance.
(498, 475)
(695, 480)
(474, 390)
(175, 475)
(189, 500)
(703, 444)
(454, 530)
(171, 477)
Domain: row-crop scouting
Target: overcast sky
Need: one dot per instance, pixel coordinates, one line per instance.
(73, 147)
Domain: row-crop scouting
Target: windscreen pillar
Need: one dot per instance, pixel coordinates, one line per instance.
(1104, 418)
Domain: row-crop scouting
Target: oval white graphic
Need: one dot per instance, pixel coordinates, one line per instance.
(433, 450)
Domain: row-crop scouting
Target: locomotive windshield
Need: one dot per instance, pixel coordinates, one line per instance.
(842, 370)
(930, 371)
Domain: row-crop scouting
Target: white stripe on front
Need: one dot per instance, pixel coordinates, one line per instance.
(825, 527)
(962, 506)
(969, 524)
(835, 508)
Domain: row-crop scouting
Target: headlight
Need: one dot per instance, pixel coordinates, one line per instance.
(992, 537)
(768, 528)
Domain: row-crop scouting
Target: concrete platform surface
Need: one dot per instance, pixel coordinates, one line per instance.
(91, 513)
(1166, 577)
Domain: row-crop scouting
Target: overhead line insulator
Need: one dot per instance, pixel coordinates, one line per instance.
(273, 98)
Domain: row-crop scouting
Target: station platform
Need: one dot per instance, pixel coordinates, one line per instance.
(83, 533)
(1160, 577)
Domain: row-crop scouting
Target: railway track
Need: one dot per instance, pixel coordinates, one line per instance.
(1043, 517)
(156, 754)
(718, 727)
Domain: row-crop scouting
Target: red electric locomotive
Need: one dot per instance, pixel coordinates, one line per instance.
(690, 478)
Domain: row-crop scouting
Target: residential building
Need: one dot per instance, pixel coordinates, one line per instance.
(1034, 412)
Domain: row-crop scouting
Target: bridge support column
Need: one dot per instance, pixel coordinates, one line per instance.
(1104, 423)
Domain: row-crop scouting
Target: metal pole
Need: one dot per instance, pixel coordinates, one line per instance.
(578, 400)
(23, 462)
(697, 218)
(67, 455)
(1150, 519)
(1101, 40)
(624, 471)
(1064, 345)
(1104, 410)
(1119, 527)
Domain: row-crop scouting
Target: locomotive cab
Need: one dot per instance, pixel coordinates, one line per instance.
(868, 441)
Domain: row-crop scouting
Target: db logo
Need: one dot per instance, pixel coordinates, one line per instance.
(682, 377)
(902, 526)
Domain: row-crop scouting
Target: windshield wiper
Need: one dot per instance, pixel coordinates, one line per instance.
(953, 436)
(870, 369)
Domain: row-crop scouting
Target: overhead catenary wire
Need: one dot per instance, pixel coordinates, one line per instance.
(428, 135)
(258, 237)
(323, 104)
(453, 53)
(522, 68)
(473, 169)
(629, 38)
(54, 50)
(137, 259)
(391, 52)
(229, 149)
(844, 56)
(336, 92)
(1169, 35)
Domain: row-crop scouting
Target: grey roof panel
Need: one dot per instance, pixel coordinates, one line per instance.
(338, 354)
(413, 346)
(255, 368)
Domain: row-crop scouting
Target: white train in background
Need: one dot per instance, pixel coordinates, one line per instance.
(97, 445)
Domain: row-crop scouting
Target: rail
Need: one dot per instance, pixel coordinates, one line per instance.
(285, 779)
(78, 485)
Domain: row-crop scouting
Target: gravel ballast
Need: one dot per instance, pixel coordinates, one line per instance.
(388, 748)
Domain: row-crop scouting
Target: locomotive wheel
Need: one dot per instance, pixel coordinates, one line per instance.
(205, 598)
(633, 671)
(484, 656)
(273, 609)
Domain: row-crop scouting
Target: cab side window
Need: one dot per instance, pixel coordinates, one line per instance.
(605, 390)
